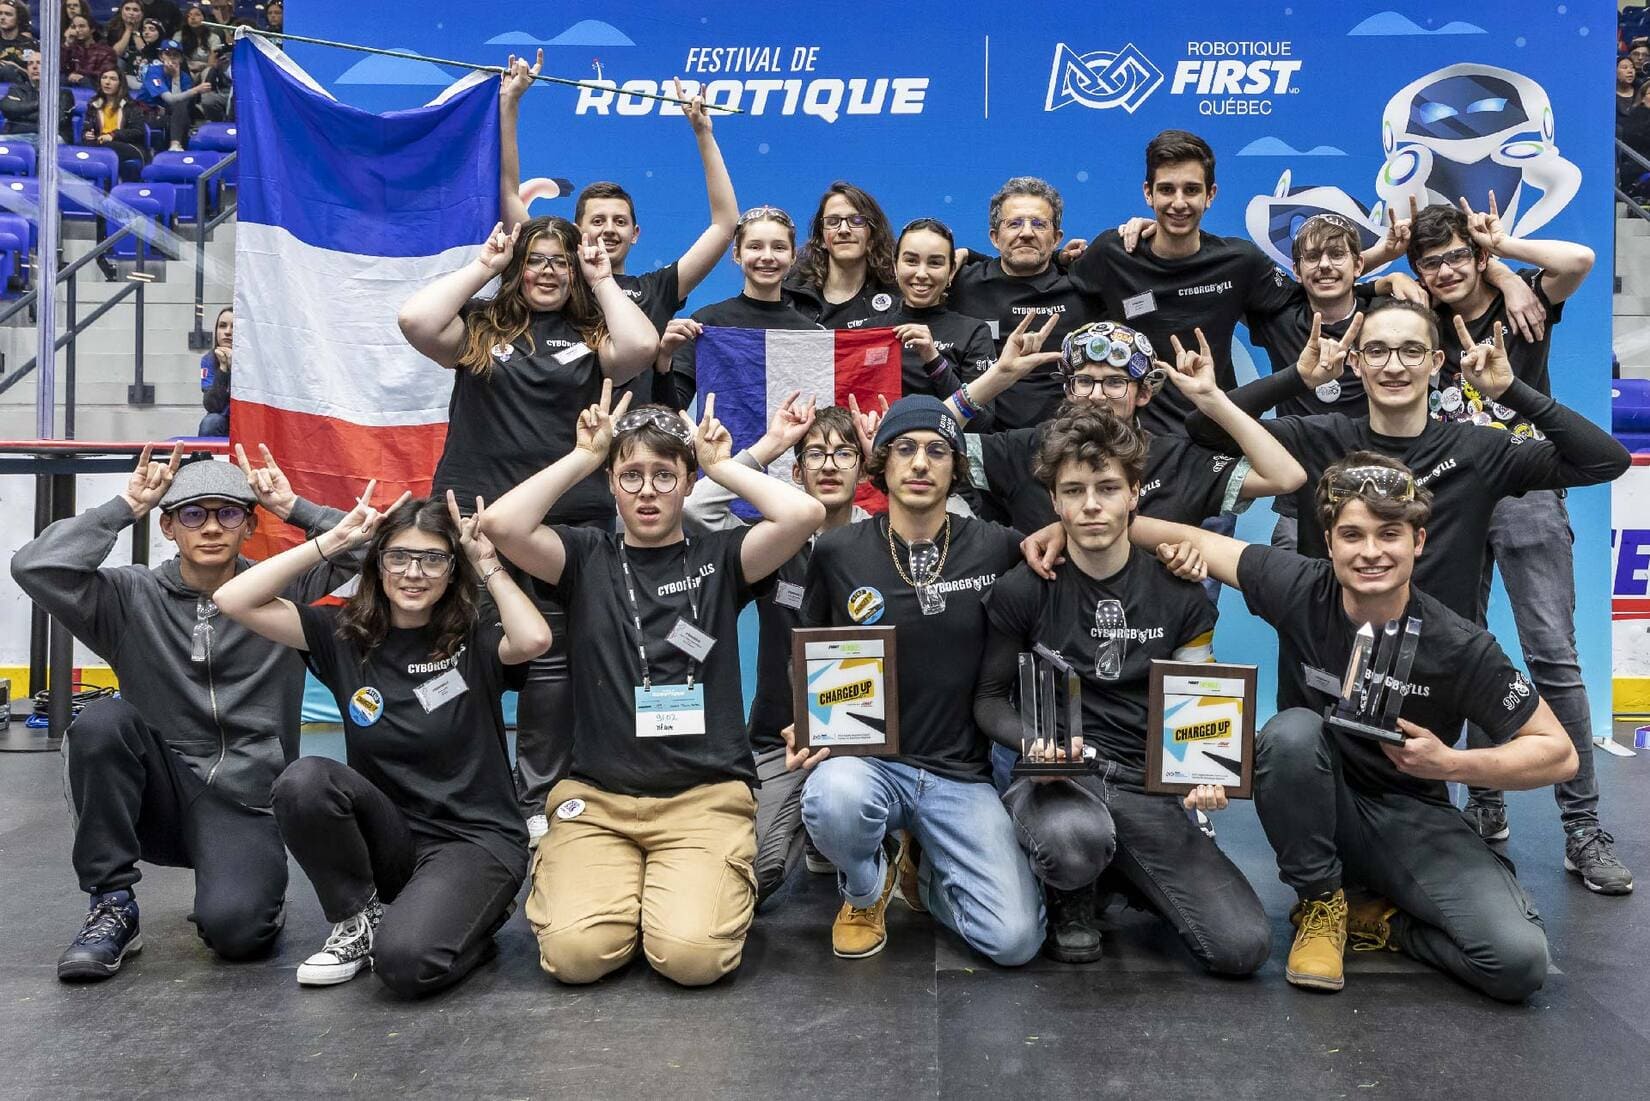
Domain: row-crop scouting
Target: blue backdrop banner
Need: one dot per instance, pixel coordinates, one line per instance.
(930, 106)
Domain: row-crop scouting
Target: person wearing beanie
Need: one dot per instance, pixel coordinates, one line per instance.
(925, 572)
(177, 769)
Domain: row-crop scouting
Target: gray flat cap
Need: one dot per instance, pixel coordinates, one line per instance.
(200, 481)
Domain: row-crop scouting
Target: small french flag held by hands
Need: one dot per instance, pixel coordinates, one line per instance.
(752, 370)
(343, 215)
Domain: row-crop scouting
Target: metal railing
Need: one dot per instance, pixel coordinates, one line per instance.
(201, 338)
(140, 392)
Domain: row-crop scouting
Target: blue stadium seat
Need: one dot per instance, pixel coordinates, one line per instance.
(91, 163)
(136, 208)
(163, 194)
(154, 200)
(24, 152)
(183, 169)
(219, 136)
(16, 233)
(11, 165)
(20, 195)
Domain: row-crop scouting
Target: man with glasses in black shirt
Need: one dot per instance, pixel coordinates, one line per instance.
(925, 572)
(1529, 535)
(1338, 807)
(1023, 280)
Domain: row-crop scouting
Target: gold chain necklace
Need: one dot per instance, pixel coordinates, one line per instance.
(945, 548)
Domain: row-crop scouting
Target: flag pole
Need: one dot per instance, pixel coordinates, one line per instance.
(541, 78)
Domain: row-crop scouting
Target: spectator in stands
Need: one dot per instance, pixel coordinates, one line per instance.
(1640, 53)
(15, 39)
(21, 105)
(166, 13)
(72, 8)
(199, 42)
(84, 57)
(275, 16)
(115, 120)
(124, 34)
(215, 376)
(153, 34)
(168, 86)
(1626, 88)
(1634, 132)
(223, 11)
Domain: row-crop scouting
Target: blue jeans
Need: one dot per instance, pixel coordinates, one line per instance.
(1531, 539)
(974, 878)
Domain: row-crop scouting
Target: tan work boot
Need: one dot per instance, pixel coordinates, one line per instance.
(1315, 959)
(859, 933)
(1369, 925)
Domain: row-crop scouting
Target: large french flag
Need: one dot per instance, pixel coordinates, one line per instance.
(752, 370)
(342, 215)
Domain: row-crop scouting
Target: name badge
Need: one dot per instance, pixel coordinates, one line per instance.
(690, 640)
(1141, 303)
(788, 595)
(568, 355)
(670, 710)
(438, 690)
(1320, 680)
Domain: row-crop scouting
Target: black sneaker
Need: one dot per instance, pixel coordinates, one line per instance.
(109, 935)
(1590, 853)
(347, 952)
(1073, 926)
(814, 859)
(1488, 820)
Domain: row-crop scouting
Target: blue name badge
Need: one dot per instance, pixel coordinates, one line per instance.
(670, 710)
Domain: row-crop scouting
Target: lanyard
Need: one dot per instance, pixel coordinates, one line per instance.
(636, 612)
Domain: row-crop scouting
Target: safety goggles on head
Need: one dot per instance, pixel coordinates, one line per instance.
(667, 422)
(757, 213)
(1106, 342)
(1382, 483)
(229, 517)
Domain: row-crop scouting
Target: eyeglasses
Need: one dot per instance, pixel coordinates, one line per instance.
(229, 517)
(667, 422)
(1455, 258)
(1015, 225)
(664, 481)
(938, 451)
(1411, 353)
(756, 213)
(1113, 386)
(430, 563)
(1335, 254)
(1383, 483)
(834, 221)
(544, 261)
(842, 458)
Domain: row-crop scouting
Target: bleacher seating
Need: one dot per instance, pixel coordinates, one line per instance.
(182, 170)
(21, 151)
(93, 164)
(157, 202)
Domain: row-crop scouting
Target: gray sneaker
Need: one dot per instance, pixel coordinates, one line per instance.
(1488, 820)
(1590, 853)
(347, 952)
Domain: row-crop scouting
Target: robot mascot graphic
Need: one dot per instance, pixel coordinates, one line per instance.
(1464, 130)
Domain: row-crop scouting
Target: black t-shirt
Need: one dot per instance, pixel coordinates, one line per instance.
(1455, 399)
(1183, 482)
(506, 426)
(965, 347)
(1467, 468)
(1284, 334)
(981, 288)
(1225, 281)
(865, 309)
(1460, 672)
(1110, 631)
(939, 655)
(659, 296)
(778, 612)
(739, 312)
(447, 770)
(607, 670)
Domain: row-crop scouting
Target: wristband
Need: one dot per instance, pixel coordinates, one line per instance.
(488, 576)
(318, 550)
(965, 405)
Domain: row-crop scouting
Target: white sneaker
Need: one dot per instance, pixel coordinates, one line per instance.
(537, 827)
(347, 952)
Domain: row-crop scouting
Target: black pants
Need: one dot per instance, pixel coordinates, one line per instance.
(181, 112)
(135, 799)
(1073, 830)
(1460, 907)
(443, 900)
(779, 832)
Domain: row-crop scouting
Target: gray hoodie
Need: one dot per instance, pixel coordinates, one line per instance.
(233, 717)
